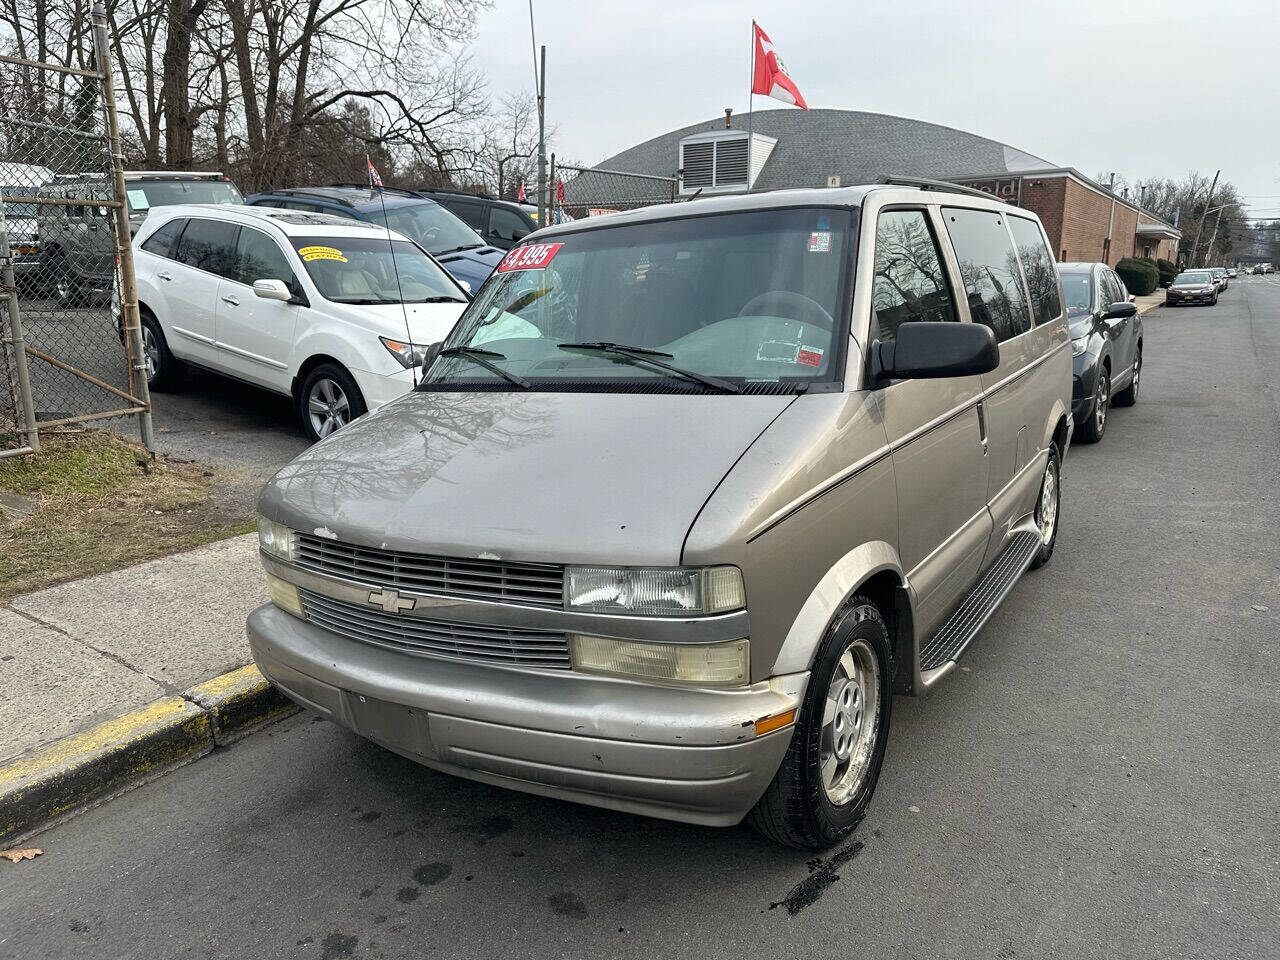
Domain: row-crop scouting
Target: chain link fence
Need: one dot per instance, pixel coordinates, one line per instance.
(68, 279)
(588, 192)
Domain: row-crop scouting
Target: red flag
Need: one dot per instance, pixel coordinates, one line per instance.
(559, 190)
(770, 77)
(520, 193)
(374, 179)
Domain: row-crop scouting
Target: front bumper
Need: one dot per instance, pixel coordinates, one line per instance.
(381, 388)
(1176, 299)
(675, 753)
(1084, 386)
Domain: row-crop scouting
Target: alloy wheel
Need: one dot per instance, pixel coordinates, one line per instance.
(850, 722)
(1137, 374)
(1102, 403)
(328, 407)
(150, 352)
(1047, 508)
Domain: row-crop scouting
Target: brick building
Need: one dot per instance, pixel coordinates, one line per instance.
(818, 148)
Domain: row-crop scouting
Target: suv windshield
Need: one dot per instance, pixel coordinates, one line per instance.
(1198, 277)
(371, 270)
(145, 194)
(744, 298)
(1078, 289)
(433, 227)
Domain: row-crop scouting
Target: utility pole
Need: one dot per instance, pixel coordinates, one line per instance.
(542, 138)
(1195, 247)
(1214, 236)
(1111, 224)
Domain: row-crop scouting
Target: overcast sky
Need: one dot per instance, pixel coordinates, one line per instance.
(1145, 89)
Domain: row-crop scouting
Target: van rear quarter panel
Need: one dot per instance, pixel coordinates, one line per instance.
(816, 485)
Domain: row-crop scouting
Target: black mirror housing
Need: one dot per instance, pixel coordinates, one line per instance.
(937, 349)
(1120, 310)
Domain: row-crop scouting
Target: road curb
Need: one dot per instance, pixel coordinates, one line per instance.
(86, 768)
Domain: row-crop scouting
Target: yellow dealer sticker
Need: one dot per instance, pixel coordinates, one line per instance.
(321, 253)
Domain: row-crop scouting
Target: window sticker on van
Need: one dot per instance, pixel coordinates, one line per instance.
(138, 199)
(820, 241)
(810, 356)
(321, 253)
(535, 256)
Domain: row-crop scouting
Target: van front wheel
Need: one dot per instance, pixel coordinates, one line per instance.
(821, 791)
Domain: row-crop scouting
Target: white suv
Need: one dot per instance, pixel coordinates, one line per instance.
(334, 313)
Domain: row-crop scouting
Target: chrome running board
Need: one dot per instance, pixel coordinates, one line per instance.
(939, 655)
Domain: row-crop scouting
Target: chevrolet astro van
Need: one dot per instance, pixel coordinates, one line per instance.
(685, 497)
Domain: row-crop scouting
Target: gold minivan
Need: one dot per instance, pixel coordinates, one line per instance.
(685, 497)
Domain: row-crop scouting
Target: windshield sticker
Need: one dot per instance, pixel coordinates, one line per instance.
(778, 351)
(138, 199)
(321, 253)
(820, 241)
(535, 256)
(810, 356)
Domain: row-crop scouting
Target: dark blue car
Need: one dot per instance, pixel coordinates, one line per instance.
(456, 246)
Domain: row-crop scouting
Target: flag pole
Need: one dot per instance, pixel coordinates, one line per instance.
(751, 103)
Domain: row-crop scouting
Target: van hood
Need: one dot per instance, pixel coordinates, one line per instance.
(552, 477)
(422, 322)
(472, 266)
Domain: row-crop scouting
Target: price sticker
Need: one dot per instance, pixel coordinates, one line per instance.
(534, 256)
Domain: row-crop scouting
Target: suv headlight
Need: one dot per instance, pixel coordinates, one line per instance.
(654, 591)
(409, 354)
(1079, 346)
(695, 664)
(275, 539)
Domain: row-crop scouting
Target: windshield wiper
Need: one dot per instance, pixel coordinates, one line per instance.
(480, 356)
(651, 357)
(440, 300)
(465, 246)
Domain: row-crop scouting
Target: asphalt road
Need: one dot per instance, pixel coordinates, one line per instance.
(1100, 779)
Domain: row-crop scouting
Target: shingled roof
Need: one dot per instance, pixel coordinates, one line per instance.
(857, 146)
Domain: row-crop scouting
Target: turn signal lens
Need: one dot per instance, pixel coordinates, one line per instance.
(285, 595)
(694, 664)
(776, 722)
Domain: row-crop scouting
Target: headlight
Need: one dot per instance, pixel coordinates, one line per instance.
(654, 591)
(409, 354)
(275, 539)
(696, 664)
(286, 596)
(1079, 346)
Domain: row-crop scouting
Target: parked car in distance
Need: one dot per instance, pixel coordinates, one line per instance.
(1106, 345)
(499, 222)
(23, 181)
(683, 497)
(1232, 273)
(337, 315)
(78, 240)
(1219, 278)
(457, 247)
(1192, 286)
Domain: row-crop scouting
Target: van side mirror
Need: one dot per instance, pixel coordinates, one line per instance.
(272, 290)
(937, 349)
(429, 357)
(1120, 310)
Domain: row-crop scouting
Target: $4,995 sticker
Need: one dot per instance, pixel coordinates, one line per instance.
(535, 256)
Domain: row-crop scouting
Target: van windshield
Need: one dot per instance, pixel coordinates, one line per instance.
(434, 228)
(142, 195)
(752, 298)
(368, 270)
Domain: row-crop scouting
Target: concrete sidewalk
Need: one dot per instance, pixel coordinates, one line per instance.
(1150, 302)
(111, 679)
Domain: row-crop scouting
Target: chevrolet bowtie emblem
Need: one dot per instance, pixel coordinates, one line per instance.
(391, 601)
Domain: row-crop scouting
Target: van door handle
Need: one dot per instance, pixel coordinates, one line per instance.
(982, 425)
(163, 276)
(234, 301)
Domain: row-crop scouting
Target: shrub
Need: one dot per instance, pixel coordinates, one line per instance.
(1168, 270)
(1140, 276)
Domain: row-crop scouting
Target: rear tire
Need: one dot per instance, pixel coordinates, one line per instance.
(328, 400)
(825, 782)
(1129, 395)
(1048, 507)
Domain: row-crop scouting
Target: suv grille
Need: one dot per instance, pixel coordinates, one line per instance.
(464, 641)
(538, 584)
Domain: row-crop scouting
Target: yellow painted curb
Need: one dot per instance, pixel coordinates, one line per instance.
(240, 702)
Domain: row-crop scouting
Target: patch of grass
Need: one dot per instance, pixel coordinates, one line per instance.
(97, 503)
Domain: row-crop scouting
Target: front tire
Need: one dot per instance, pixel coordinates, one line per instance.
(328, 400)
(824, 784)
(1047, 507)
(1129, 395)
(1095, 425)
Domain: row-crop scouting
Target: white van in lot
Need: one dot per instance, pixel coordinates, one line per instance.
(334, 313)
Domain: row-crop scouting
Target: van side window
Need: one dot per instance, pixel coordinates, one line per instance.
(1038, 268)
(506, 225)
(164, 242)
(260, 258)
(1118, 292)
(209, 245)
(910, 284)
(989, 266)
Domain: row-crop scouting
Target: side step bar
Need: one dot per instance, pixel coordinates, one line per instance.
(938, 657)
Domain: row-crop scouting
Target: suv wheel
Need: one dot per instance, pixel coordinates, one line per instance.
(1095, 426)
(1129, 395)
(328, 401)
(1047, 507)
(821, 791)
(164, 370)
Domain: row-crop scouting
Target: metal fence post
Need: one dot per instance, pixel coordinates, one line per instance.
(124, 239)
(18, 340)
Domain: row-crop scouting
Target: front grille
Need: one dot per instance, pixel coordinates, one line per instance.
(464, 641)
(537, 584)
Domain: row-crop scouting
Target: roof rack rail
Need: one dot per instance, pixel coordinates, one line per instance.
(926, 183)
(364, 186)
(310, 192)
